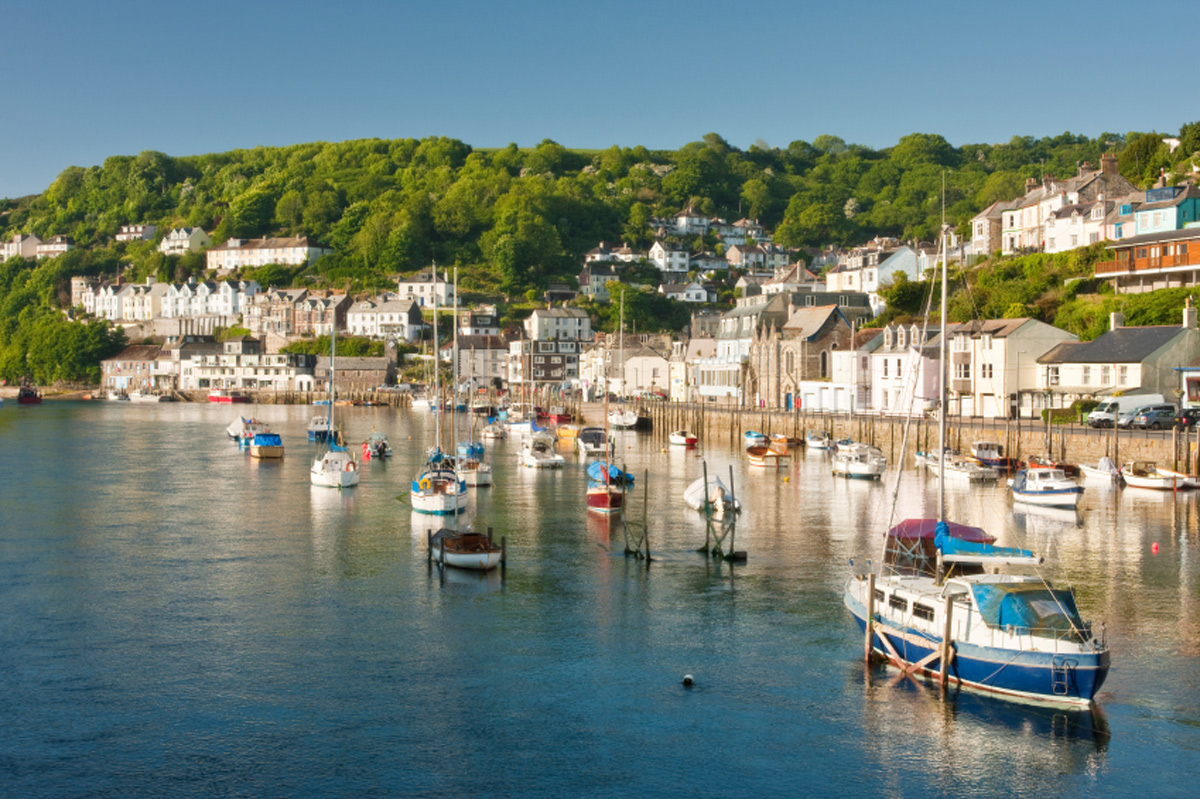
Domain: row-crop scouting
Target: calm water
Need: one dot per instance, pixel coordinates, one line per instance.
(180, 620)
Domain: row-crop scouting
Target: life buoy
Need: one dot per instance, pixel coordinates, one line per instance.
(350, 466)
(424, 484)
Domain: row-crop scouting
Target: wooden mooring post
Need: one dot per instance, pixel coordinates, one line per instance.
(868, 644)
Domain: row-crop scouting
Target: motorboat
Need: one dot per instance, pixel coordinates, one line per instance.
(117, 396)
(28, 395)
(1104, 470)
(537, 452)
(148, 396)
(927, 458)
(266, 445)
(622, 420)
(244, 428)
(465, 549)
(376, 447)
(492, 431)
(422, 403)
(318, 428)
(753, 438)
(1146, 474)
(989, 453)
(814, 439)
(607, 486)
(718, 499)
(226, 395)
(567, 433)
(559, 415)
(470, 466)
(964, 469)
(682, 438)
(592, 441)
(861, 461)
(1048, 487)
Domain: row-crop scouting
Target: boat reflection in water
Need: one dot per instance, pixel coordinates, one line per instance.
(905, 710)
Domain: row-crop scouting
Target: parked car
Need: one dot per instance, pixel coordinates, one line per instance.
(1187, 418)
(1154, 417)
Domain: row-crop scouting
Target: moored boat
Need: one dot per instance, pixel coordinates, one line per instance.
(537, 452)
(622, 420)
(753, 438)
(592, 441)
(266, 445)
(336, 467)
(860, 461)
(1146, 474)
(772, 456)
(817, 440)
(991, 454)
(376, 447)
(1048, 487)
(682, 438)
(226, 395)
(465, 549)
(28, 395)
(1104, 470)
(964, 469)
(717, 499)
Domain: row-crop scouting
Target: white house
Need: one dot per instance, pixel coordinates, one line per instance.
(136, 232)
(424, 286)
(684, 292)
(184, 239)
(55, 246)
(238, 253)
(559, 324)
(377, 318)
(668, 259)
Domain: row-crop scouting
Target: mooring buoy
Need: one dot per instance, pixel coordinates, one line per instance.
(688, 681)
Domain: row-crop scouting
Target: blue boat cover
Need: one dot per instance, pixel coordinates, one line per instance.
(470, 449)
(595, 472)
(1027, 607)
(952, 545)
(267, 440)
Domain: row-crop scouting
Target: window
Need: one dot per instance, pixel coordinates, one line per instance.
(1105, 375)
(962, 371)
(1122, 375)
(922, 611)
(1074, 240)
(898, 602)
(539, 359)
(899, 370)
(1093, 238)
(1087, 375)
(1052, 375)
(885, 374)
(987, 371)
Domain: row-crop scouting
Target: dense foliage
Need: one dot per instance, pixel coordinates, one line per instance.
(37, 341)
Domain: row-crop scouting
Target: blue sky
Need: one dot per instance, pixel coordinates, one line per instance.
(87, 80)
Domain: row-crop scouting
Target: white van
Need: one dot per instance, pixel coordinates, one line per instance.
(1106, 413)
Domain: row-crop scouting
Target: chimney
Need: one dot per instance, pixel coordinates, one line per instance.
(1189, 315)
(1116, 319)
(1030, 184)
(1108, 164)
(1085, 168)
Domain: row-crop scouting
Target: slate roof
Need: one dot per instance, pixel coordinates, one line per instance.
(1123, 345)
(808, 322)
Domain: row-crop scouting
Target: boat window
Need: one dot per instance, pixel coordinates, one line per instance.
(898, 602)
(878, 597)
(922, 611)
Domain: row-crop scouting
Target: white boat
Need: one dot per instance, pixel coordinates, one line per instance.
(1047, 487)
(492, 431)
(470, 466)
(753, 438)
(376, 447)
(465, 549)
(933, 610)
(118, 396)
(318, 428)
(860, 461)
(718, 498)
(244, 428)
(422, 403)
(147, 396)
(964, 469)
(682, 438)
(1145, 474)
(927, 458)
(817, 440)
(622, 420)
(335, 467)
(1104, 470)
(592, 441)
(437, 489)
(537, 452)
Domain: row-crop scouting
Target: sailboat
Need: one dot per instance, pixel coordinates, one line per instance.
(622, 418)
(336, 467)
(468, 462)
(437, 489)
(935, 610)
(604, 494)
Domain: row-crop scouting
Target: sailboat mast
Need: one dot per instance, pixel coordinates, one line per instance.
(942, 388)
(454, 371)
(437, 383)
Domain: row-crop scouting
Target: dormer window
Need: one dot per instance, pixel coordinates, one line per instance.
(887, 338)
(900, 338)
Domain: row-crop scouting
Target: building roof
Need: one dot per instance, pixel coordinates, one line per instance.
(1189, 193)
(807, 322)
(137, 352)
(1123, 345)
(288, 243)
(1155, 238)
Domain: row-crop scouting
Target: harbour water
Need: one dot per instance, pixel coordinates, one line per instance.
(181, 620)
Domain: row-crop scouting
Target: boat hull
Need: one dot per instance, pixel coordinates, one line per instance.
(1033, 676)
(266, 451)
(1056, 498)
(605, 500)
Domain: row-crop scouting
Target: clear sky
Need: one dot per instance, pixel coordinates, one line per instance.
(85, 80)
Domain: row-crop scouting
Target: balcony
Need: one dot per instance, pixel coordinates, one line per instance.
(1152, 264)
(962, 385)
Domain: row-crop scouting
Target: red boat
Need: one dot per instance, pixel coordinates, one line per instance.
(221, 395)
(28, 395)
